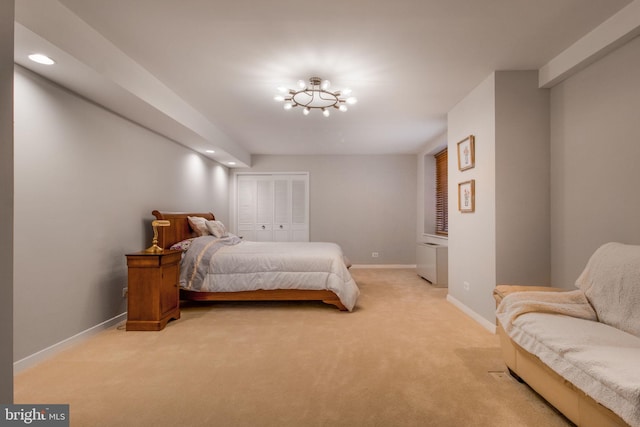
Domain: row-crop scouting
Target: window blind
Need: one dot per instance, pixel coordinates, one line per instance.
(442, 198)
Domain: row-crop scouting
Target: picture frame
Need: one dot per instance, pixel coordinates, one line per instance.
(467, 196)
(467, 153)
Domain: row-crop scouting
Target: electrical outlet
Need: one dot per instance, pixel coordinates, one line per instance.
(466, 285)
(125, 291)
(374, 254)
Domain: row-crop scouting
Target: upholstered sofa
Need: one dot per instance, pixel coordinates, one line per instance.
(580, 349)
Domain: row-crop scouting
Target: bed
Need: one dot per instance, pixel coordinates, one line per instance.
(272, 276)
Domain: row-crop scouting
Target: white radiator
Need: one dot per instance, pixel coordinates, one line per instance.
(432, 263)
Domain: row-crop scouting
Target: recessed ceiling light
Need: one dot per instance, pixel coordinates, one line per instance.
(210, 151)
(41, 59)
(231, 163)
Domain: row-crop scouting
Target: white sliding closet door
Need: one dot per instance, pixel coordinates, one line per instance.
(273, 207)
(300, 208)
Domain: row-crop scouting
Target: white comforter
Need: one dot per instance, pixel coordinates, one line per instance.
(228, 265)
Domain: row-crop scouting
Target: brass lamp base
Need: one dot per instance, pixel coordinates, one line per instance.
(155, 249)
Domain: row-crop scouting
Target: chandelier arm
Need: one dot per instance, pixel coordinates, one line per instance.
(310, 94)
(331, 96)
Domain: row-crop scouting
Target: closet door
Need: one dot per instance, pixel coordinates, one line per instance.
(300, 208)
(264, 209)
(291, 208)
(282, 208)
(245, 211)
(255, 207)
(273, 207)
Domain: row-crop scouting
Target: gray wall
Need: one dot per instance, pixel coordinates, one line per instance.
(590, 168)
(364, 203)
(86, 182)
(595, 154)
(506, 239)
(472, 236)
(6, 201)
(522, 179)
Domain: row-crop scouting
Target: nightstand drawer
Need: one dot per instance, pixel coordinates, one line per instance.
(144, 260)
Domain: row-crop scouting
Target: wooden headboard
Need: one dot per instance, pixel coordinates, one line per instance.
(179, 228)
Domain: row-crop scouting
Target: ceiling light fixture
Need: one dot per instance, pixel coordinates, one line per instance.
(315, 95)
(41, 59)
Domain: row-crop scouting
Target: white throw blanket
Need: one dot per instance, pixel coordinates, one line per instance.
(611, 282)
(599, 359)
(590, 336)
(572, 303)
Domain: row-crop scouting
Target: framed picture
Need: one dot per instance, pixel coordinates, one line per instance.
(466, 153)
(467, 196)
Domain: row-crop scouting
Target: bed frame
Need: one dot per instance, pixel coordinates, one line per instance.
(180, 230)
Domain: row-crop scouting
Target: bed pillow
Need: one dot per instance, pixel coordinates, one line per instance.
(216, 228)
(198, 225)
(182, 245)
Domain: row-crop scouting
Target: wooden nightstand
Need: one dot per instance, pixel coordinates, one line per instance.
(154, 294)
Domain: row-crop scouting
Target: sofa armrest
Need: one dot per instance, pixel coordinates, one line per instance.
(501, 291)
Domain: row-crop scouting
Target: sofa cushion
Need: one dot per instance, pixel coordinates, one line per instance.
(611, 282)
(600, 360)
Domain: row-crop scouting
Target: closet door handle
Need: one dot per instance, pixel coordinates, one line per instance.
(263, 227)
(281, 226)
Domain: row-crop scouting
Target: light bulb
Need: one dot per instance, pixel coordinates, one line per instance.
(288, 106)
(278, 98)
(345, 92)
(343, 108)
(41, 59)
(283, 89)
(325, 84)
(352, 100)
(306, 111)
(326, 112)
(302, 84)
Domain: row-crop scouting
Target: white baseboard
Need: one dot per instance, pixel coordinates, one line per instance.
(491, 327)
(50, 351)
(383, 266)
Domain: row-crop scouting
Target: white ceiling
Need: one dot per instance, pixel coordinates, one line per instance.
(218, 63)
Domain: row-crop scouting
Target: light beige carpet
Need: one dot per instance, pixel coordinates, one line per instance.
(404, 357)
